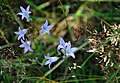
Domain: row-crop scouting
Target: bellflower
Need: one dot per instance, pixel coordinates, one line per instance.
(62, 44)
(69, 51)
(26, 46)
(21, 33)
(50, 60)
(46, 28)
(66, 47)
(25, 13)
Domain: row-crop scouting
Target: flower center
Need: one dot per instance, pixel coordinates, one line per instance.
(44, 27)
(22, 32)
(26, 15)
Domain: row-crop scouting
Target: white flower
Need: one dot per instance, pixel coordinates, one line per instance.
(62, 44)
(50, 59)
(21, 33)
(26, 46)
(66, 47)
(69, 51)
(25, 13)
(46, 28)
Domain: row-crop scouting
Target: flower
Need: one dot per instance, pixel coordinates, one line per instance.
(25, 13)
(50, 59)
(66, 47)
(62, 44)
(26, 46)
(21, 33)
(69, 51)
(46, 28)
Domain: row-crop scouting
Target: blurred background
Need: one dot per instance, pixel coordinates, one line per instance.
(74, 20)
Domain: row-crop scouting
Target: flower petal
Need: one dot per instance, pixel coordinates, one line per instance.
(25, 31)
(68, 46)
(22, 9)
(22, 45)
(62, 42)
(19, 37)
(23, 17)
(47, 62)
(27, 17)
(73, 49)
(46, 23)
(42, 32)
(50, 26)
(30, 49)
(19, 13)
(19, 28)
(63, 56)
(54, 59)
(23, 41)
(72, 54)
(49, 65)
(27, 9)
(23, 37)
(47, 57)
(48, 32)
(59, 47)
(29, 43)
(17, 33)
(29, 12)
(26, 49)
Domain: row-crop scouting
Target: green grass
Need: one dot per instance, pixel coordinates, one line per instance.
(81, 22)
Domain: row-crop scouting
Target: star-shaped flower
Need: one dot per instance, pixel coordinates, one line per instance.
(69, 51)
(50, 60)
(66, 47)
(26, 46)
(21, 33)
(46, 28)
(25, 13)
(62, 44)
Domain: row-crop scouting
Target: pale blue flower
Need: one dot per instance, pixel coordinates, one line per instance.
(26, 46)
(50, 60)
(62, 44)
(69, 51)
(66, 47)
(46, 28)
(21, 33)
(25, 13)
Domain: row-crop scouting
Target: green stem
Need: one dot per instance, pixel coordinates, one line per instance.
(105, 22)
(8, 45)
(46, 74)
(113, 75)
(65, 15)
(84, 44)
(15, 16)
(3, 36)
